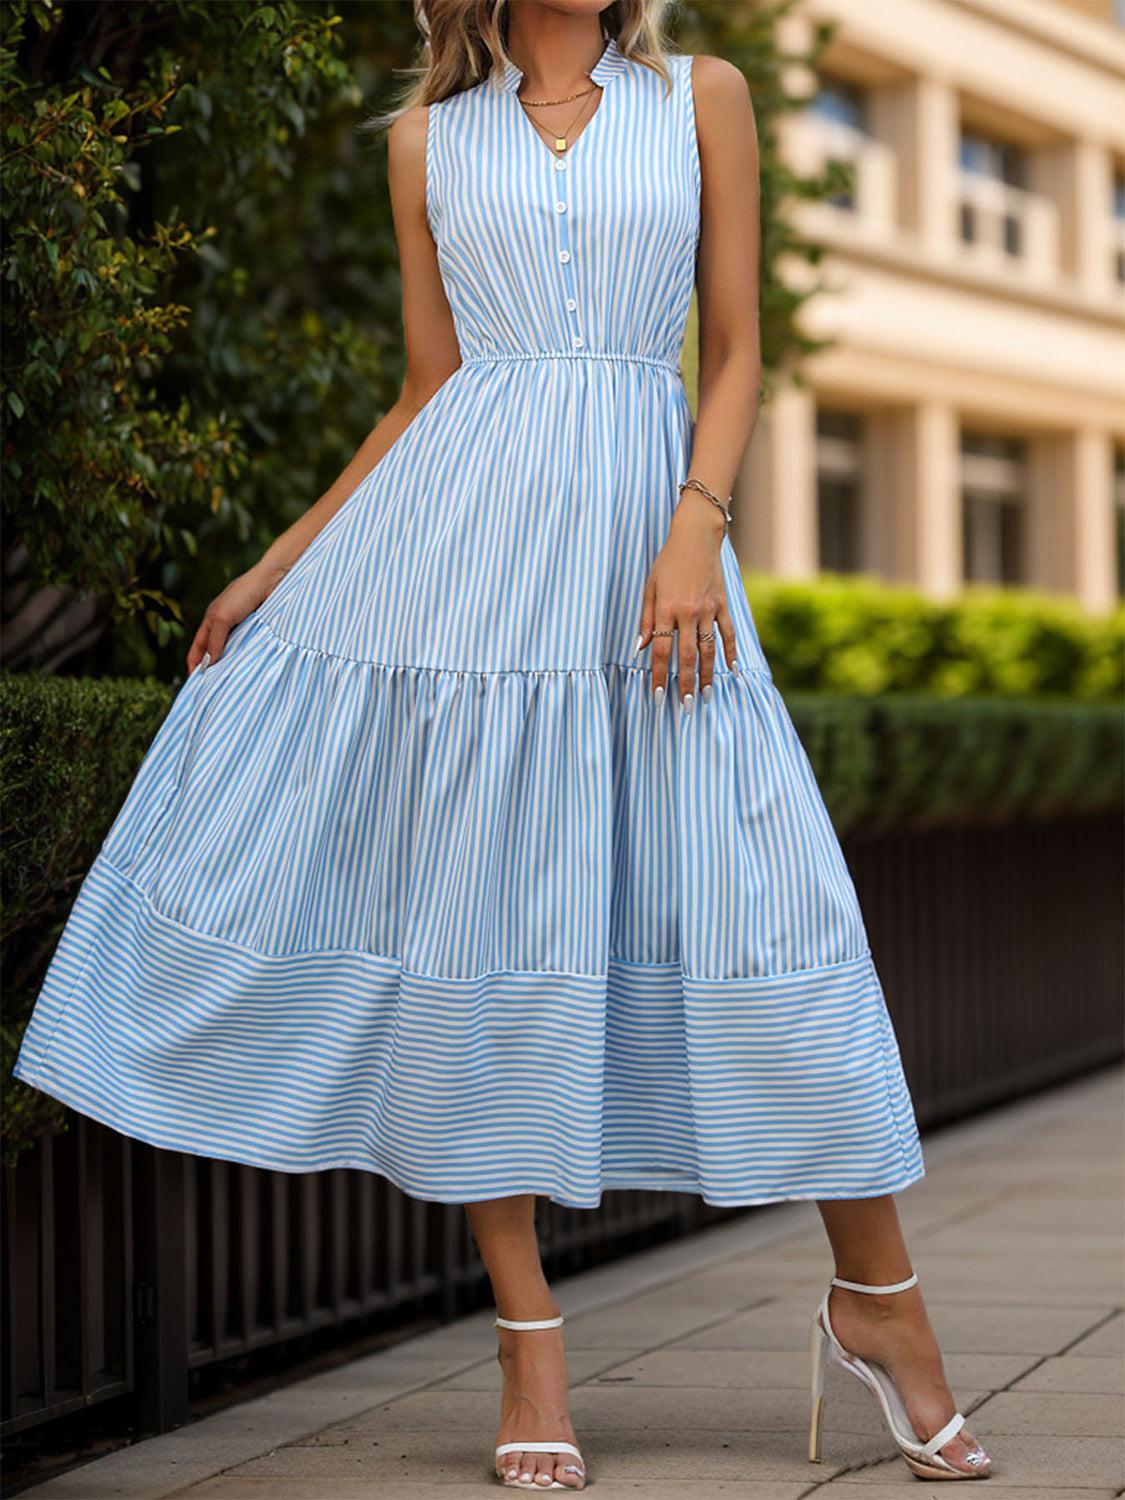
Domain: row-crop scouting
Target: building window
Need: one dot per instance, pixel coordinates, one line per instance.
(994, 508)
(995, 174)
(839, 475)
(843, 106)
(1119, 516)
(840, 101)
(1119, 225)
(998, 160)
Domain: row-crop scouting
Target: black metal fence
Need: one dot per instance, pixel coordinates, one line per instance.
(126, 1268)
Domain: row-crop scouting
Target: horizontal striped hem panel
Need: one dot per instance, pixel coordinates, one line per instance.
(457, 1090)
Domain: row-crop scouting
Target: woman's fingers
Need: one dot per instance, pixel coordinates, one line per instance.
(687, 624)
(663, 623)
(220, 629)
(208, 642)
(726, 630)
(662, 651)
(648, 615)
(198, 647)
(706, 653)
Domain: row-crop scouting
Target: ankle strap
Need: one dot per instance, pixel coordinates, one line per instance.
(859, 1286)
(533, 1323)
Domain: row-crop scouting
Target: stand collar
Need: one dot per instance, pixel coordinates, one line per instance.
(612, 62)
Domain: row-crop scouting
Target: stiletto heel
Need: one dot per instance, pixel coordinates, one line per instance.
(560, 1447)
(923, 1459)
(819, 1347)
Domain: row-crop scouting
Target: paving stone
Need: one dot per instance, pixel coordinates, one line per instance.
(581, 1364)
(438, 1457)
(961, 1327)
(784, 1369)
(1084, 1273)
(1029, 1464)
(227, 1487)
(913, 1489)
(660, 1409)
(644, 1322)
(1063, 1413)
(1107, 1342)
(1073, 1372)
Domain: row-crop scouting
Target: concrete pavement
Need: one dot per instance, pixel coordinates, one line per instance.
(689, 1362)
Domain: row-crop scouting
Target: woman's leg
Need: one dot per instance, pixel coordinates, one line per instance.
(867, 1243)
(534, 1404)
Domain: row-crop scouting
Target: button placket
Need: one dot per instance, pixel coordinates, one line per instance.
(561, 211)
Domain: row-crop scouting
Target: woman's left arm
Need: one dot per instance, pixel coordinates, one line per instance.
(685, 589)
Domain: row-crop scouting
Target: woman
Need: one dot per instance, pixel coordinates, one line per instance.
(478, 848)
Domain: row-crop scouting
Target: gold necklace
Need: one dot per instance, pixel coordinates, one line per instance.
(560, 141)
(539, 103)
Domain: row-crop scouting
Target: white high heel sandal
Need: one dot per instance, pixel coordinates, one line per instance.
(560, 1447)
(923, 1459)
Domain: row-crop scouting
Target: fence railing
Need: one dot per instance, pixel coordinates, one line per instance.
(128, 1268)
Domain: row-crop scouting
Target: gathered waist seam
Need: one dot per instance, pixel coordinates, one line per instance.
(600, 354)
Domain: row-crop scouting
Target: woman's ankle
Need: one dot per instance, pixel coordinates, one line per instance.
(531, 1306)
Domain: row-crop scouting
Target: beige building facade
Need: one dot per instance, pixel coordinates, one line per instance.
(967, 422)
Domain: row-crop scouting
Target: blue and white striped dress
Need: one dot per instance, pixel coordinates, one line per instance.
(417, 877)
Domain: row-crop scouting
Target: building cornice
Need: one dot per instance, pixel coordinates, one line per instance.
(906, 257)
(1094, 42)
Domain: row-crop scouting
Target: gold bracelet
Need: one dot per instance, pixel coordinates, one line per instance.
(695, 484)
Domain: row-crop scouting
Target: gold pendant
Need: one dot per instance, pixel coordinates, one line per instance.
(560, 143)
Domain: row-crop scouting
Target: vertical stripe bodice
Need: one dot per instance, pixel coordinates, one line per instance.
(591, 252)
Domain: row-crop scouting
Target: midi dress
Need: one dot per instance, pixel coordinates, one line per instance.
(418, 877)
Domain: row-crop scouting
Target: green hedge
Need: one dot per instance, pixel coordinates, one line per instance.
(70, 747)
(840, 634)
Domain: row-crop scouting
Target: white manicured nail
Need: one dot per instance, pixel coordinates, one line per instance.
(706, 694)
(659, 696)
(688, 703)
(734, 665)
(637, 647)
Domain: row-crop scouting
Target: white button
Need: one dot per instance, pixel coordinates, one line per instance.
(560, 166)
(564, 256)
(571, 304)
(560, 207)
(578, 341)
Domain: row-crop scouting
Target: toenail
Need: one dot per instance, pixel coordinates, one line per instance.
(524, 1478)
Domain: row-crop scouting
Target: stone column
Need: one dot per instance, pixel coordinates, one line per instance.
(775, 496)
(921, 120)
(1076, 176)
(933, 498)
(1089, 501)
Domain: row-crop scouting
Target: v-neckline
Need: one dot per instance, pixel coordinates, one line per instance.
(600, 74)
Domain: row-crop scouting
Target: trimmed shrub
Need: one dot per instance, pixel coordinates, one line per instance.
(838, 634)
(69, 749)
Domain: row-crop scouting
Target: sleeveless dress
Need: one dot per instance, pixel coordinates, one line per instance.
(417, 877)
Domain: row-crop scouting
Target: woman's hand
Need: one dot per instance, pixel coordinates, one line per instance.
(240, 598)
(685, 591)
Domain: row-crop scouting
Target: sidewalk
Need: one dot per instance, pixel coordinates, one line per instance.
(689, 1362)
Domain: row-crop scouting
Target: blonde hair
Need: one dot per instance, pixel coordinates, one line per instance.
(465, 42)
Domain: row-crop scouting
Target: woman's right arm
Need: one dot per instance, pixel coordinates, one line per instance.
(432, 354)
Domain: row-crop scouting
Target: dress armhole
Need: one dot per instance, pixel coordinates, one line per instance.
(431, 154)
(689, 111)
